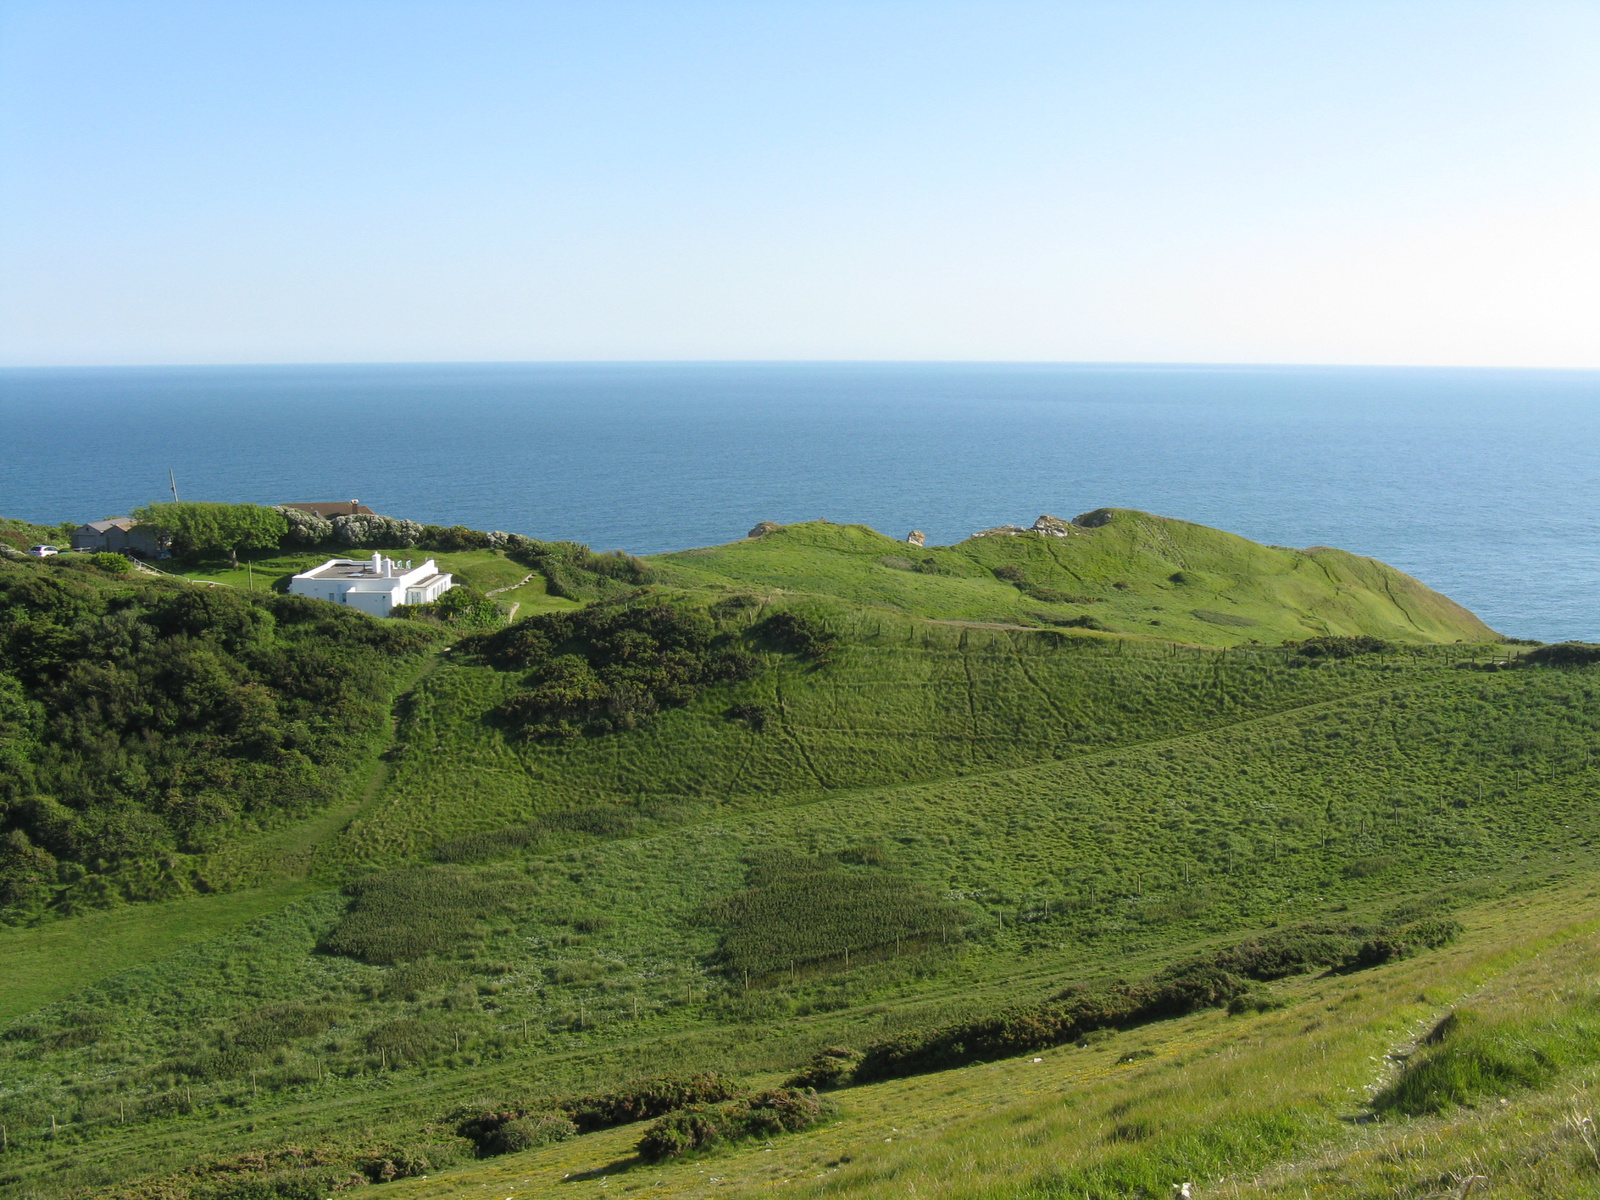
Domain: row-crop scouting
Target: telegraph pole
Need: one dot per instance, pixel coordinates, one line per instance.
(173, 481)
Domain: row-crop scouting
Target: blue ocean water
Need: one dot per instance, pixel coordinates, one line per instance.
(1484, 484)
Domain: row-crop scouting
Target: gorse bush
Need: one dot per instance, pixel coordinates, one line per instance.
(798, 910)
(763, 1115)
(1209, 982)
(640, 1100)
(797, 633)
(830, 1068)
(1341, 647)
(603, 669)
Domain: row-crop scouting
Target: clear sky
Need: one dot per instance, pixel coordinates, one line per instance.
(1127, 180)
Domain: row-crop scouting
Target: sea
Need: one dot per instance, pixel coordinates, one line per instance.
(1484, 484)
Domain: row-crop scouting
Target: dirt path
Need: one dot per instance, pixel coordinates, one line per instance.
(511, 587)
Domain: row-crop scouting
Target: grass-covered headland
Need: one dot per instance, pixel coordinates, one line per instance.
(1074, 861)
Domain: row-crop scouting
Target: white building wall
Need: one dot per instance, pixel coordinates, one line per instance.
(378, 587)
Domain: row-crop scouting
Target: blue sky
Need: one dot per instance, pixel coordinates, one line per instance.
(1122, 181)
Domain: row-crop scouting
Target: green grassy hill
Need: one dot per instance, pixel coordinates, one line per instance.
(1114, 569)
(814, 801)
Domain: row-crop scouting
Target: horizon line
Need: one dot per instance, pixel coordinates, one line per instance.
(1118, 364)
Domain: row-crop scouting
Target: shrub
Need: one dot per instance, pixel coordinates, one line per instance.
(766, 1114)
(371, 531)
(753, 715)
(830, 1068)
(304, 529)
(646, 1098)
(111, 564)
(638, 1101)
(799, 634)
(526, 1133)
(1340, 647)
(463, 606)
(1564, 654)
(604, 669)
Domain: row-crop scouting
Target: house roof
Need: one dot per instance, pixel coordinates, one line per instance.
(331, 508)
(123, 523)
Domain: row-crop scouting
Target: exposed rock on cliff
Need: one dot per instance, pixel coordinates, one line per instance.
(916, 538)
(764, 528)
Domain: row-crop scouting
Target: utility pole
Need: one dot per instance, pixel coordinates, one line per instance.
(173, 481)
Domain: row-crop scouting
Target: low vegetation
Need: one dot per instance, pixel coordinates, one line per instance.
(786, 812)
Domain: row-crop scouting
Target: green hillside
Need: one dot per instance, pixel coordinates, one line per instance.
(761, 801)
(1114, 569)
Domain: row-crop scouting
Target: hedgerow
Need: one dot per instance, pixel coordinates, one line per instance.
(1208, 982)
(765, 1114)
(638, 1101)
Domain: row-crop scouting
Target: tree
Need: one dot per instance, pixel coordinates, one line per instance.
(197, 527)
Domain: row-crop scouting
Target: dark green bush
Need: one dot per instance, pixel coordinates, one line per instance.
(799, 634)
(603, 669)
(1564, 654)
(1217, 979)
(830, 1068)
(764, 1115)
(753, 715)
(646, 1098)
(641, 1100)
(142, 716)
(463, 606)
(1341, 647)
(529, 1132)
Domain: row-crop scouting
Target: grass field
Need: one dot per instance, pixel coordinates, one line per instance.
(932, 819)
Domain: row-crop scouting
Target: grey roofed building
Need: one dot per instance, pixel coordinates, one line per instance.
(121, 535)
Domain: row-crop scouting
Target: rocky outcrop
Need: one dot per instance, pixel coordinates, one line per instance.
(916, 538)
(1053, 527)
(1093, 520)
(1046, 526)
(764, 528)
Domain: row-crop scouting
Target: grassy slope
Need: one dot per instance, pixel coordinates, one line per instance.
(1142, 574)
(1095, 802)
(1261, 1105)
(1138, 850)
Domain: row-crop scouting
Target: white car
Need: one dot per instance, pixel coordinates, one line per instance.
(42, 551)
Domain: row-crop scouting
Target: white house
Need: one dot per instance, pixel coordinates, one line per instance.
(374, 586)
